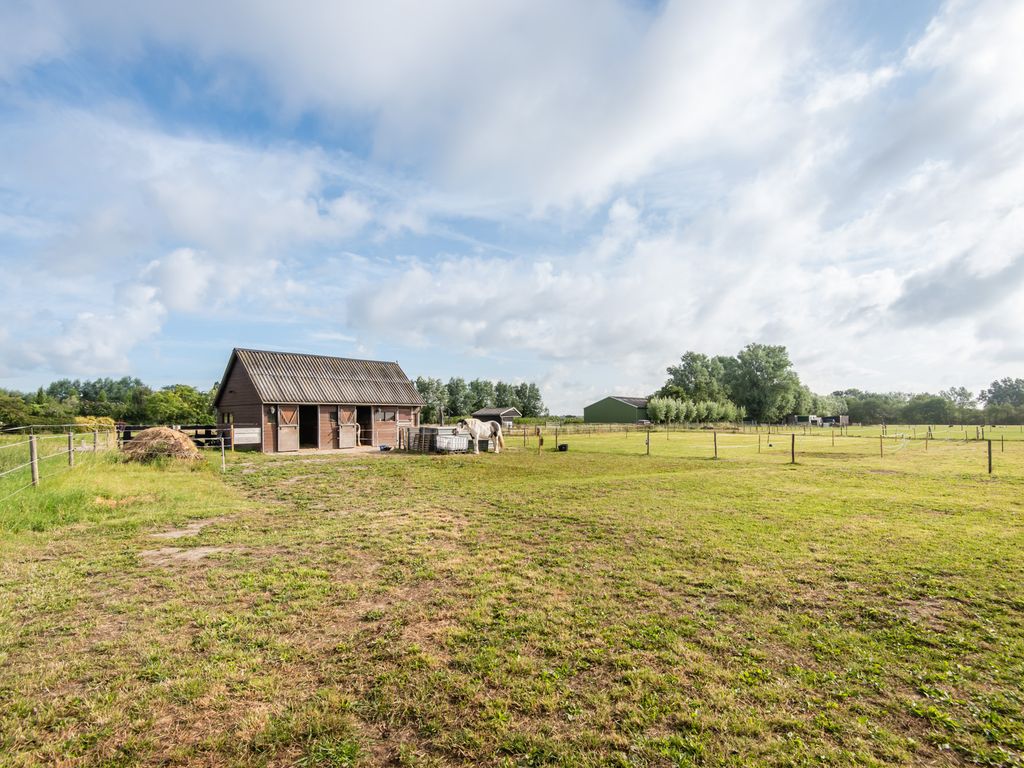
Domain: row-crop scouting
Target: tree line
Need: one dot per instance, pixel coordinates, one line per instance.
(1002, 402)
(458, 398)
(126, 399)
(761, 384)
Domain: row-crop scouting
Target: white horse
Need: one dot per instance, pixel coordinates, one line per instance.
(489, 430)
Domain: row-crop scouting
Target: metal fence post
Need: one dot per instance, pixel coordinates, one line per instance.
(71, 449)
(990, 457)
(33, 458)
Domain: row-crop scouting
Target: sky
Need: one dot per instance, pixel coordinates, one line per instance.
(572, 193)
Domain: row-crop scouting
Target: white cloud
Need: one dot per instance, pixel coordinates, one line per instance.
(540, 104)
(183, 279)
(752, 187)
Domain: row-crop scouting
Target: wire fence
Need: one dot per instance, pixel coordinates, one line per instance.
(31, 455)
(994, 449)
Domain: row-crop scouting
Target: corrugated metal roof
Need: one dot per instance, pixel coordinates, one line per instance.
(288, 377)
(636, 402)
(496, 411)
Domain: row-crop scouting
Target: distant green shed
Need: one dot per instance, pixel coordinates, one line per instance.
(616, 410)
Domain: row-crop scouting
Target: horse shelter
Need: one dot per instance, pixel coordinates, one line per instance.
(280, 402)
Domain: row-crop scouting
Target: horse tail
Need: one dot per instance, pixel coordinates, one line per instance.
(497, 435)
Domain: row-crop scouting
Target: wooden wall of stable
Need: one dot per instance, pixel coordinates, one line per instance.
(343, 433)
(240, 399)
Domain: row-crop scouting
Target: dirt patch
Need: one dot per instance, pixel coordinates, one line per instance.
(192, 529)
(177, 555)
(884, 472)
(927, 611)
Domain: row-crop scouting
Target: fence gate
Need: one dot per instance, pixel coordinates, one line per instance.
(287, 428)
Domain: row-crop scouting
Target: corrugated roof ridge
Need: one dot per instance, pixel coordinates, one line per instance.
(312, 354)
(298, 376)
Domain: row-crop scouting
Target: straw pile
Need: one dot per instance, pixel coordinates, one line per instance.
(159, 443)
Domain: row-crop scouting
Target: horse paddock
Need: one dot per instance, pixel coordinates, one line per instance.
(598, 607)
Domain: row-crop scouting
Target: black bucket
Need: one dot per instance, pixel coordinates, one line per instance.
(563, 447)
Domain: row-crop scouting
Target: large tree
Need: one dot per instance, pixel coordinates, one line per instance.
(761, 379)
(14, 411)
(458, 403)
(697, 377)
(927, 409)
(1004, 392)
(505, 396)
(961, 399)
(435, 395)
(180, 404)
(481, 394)
(530, 402)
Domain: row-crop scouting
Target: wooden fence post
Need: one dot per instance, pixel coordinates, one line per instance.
(648, 441)
(881, 448)
(758, 442)
(715, 435)
(33, 458)
(71, 449)
(95, 440)
(792, 448)
(223, 465)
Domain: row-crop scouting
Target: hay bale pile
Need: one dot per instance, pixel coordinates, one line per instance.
(161, 443)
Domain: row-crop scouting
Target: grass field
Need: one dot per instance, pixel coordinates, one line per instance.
(594, 607)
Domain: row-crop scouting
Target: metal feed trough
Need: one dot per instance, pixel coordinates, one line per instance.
(436, 439)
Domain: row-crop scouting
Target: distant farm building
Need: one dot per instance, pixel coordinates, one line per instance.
(616, 410)
(818, 421)
(805, 420)
(504, 416)
(282, 401)
(835, 421)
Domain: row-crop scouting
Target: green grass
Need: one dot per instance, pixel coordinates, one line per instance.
(595, 607)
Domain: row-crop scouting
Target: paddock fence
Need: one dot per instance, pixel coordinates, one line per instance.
(31, 455)
(982, 449)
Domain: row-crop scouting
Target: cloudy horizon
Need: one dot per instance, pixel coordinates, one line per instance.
(572, 193)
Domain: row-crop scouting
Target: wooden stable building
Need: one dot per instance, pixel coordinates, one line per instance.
(278, 402)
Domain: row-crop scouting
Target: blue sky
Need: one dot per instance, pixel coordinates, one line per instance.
(573, 193)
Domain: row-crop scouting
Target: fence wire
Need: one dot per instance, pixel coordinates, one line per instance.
(46, 447)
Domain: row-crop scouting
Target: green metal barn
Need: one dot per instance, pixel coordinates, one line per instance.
(616, 410)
